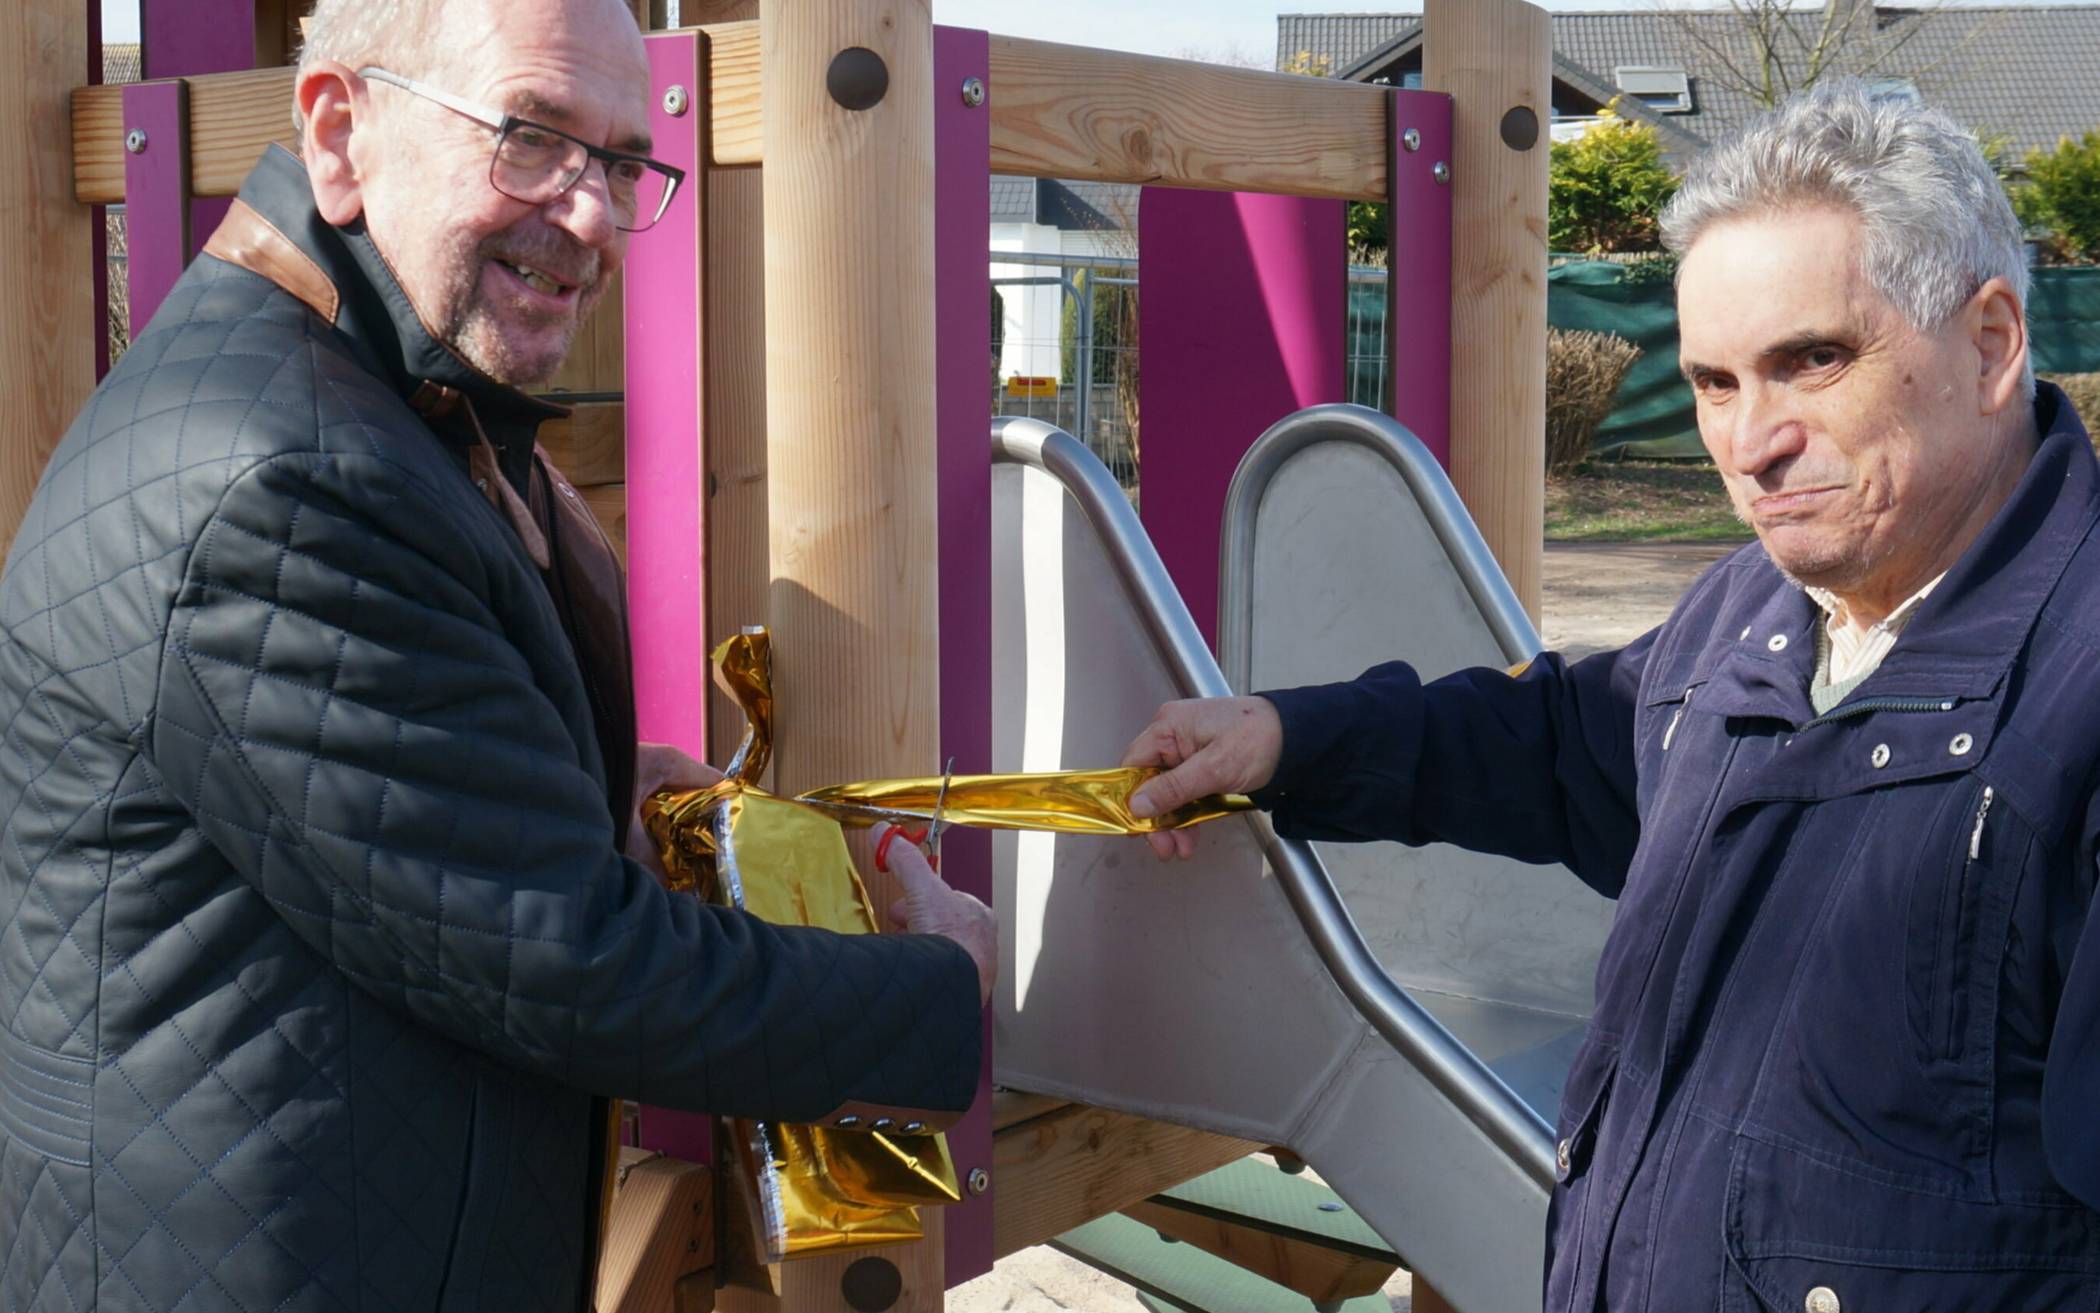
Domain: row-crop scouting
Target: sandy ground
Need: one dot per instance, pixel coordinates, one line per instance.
(1597, 596)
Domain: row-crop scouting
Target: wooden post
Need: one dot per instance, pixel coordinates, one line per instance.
(48, 320)
(851, 465)
(1494, 58)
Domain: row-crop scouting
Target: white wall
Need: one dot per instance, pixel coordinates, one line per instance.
(1032, 313)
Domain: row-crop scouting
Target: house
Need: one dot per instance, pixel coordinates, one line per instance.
(2021, 74)
(1052, 220)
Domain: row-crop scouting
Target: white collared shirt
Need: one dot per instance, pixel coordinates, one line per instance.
(1855, 651)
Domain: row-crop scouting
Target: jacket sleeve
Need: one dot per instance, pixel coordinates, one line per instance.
(342, 711)
(1538, 766)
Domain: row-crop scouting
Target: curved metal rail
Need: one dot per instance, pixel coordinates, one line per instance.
(1481, 1096)
(1390, 441)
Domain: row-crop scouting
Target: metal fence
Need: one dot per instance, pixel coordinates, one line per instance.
(1065, 346)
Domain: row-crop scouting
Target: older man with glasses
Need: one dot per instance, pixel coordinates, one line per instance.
(330, 937)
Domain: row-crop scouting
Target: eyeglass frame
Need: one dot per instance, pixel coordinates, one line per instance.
(502, 125)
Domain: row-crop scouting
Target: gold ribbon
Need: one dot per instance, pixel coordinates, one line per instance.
(784, 860)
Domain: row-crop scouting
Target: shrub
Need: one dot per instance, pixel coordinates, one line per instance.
(2061, 198)
(1583, 373)
(2084, 391)
(1606, 188)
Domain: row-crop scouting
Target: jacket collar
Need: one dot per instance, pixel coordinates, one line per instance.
(274, 230)
(1967, 634)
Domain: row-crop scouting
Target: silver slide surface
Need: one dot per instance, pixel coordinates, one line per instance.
(1237, 993)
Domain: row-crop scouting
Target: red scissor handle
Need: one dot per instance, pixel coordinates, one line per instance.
(882, 846)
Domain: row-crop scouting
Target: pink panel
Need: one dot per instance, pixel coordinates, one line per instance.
(156, 194)
(963, 344)
(190, 38)
(93, 73)
(1241, 312)
(1418, 321)
(666, 566)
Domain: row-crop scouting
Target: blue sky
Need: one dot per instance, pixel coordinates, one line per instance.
(1235, 31)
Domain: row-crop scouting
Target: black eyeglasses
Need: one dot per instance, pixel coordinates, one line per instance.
(537, 164)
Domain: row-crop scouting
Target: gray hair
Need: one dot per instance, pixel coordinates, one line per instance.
(361, 32)
(1937, 225)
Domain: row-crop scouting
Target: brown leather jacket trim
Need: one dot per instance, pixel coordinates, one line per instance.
(254, 243)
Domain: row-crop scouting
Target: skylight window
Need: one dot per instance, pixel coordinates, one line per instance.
(1664, 90)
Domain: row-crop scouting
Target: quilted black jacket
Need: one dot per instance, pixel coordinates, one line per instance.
(317, 959)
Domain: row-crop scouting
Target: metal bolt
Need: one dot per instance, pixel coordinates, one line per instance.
(980, 1180)
(1442, 172)
(135, 141)
(1330, 1206)
(973, 92)
(1412, 139)
(677, 101)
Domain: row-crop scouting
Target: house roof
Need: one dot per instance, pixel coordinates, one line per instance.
(1072, 206)
(120, 62)
(2022, 71)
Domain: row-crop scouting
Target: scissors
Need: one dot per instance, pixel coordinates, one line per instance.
(930, 837)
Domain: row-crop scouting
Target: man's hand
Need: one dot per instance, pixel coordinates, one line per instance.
(659, 766)
(1208, 745)
(930, 907)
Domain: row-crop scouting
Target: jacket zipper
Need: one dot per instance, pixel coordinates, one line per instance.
(1845, 711)
(1671, 732)
(1976, 835)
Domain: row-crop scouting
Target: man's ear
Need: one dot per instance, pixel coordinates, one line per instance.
(1998, 327)
(329, 97)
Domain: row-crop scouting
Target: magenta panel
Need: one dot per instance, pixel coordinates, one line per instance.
(1418, 319)
(962, 145)
(666, 545)
(156, 194)
(1241, 317)
(190, 38)
(93, 74)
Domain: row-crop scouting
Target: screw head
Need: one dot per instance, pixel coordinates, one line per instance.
(1442, 173)
(980, 1180)
(135, 141)
(677, 100)
(1412, 139)
(973, 92)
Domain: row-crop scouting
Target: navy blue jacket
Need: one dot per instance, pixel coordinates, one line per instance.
(1848, 1019)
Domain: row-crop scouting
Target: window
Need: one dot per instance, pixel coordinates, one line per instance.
(1665, 90)
(1893, 88)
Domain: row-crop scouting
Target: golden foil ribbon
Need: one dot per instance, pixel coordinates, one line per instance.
(784, 860)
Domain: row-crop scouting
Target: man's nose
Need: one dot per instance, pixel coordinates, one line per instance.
(1765, 429)
(585, 211)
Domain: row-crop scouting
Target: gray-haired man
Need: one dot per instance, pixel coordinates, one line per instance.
(320, 958)
(1846, 1051)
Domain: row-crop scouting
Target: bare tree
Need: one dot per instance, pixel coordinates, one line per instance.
(1767, 50)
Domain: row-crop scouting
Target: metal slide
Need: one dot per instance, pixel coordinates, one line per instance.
(1400, 1018)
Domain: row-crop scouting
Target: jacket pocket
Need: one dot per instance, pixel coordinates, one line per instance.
(1956, 920)
(1803, 1232)
(1571, 1242)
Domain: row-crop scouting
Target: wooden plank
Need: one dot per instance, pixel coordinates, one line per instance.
(1180, 1276)
(1290, 1230)
(661, 1231)
(1494, 58)
(235, 116)
(594, 363)
(850, 448)
(591, 445)
(1071, 112)
(1060, 112)
(1012, 1107)
(49, 325)
(1056, 1172)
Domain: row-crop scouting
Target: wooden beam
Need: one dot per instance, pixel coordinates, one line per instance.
(1062, 1170)
(235, 116)
(1494, 58)
(1318, 1272)
(1059, 112)
(1072, 112)
(1012, 1107)
(591, 445)
(662, 1231)
(48, 318)
(850, 445)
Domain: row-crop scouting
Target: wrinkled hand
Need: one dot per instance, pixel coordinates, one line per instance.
(659, 766)
(930, 907)
(1207, 745)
